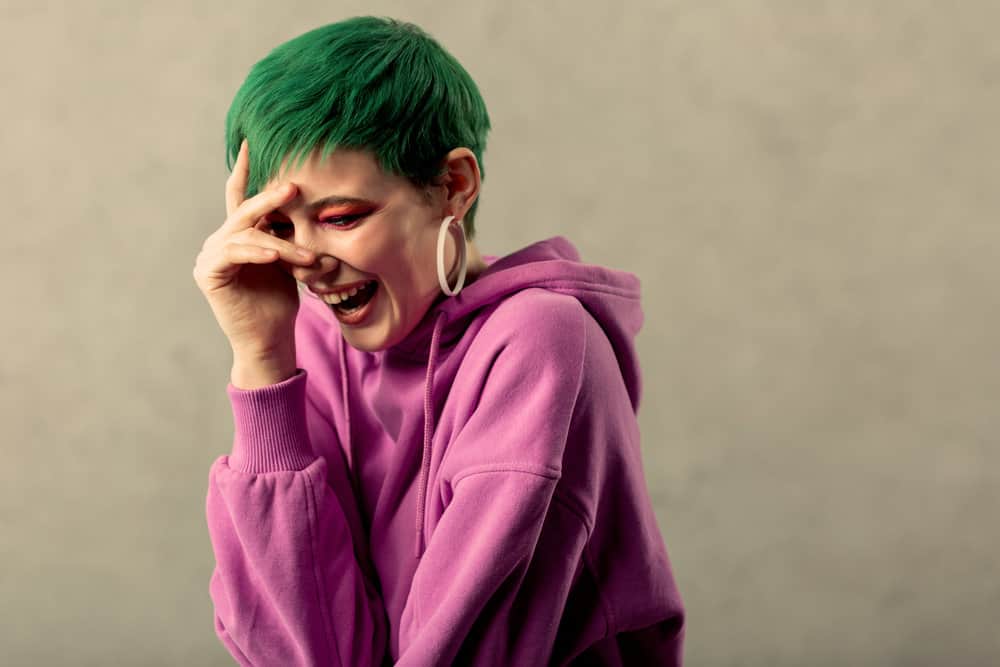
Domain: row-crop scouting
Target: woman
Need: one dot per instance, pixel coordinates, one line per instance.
(436, 457)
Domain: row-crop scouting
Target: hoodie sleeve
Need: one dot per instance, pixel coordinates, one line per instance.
(492, 585)
(288, 588)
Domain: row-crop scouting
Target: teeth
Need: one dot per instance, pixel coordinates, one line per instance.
(337, 297)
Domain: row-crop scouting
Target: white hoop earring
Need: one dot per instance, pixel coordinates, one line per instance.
(442, 275)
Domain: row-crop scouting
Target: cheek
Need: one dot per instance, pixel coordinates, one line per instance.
(401, 249)
(371, 248)
(413, 254)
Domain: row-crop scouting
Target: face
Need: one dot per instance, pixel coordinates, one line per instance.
(374, 226)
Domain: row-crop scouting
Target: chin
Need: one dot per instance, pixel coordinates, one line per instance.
(371, 341)
(379, 336)
(364, 343)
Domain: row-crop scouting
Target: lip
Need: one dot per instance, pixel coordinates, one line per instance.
(339, 288)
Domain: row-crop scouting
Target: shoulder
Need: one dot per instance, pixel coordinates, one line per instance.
(551, 334)
(515, 391)
(536, 321)
(534, 312)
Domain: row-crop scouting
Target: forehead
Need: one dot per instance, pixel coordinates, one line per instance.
(344, 167)
(346, 173)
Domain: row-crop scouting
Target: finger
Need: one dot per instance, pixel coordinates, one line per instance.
(288, 250)
(218, 267)
(236, 184)
(250, 211)
(211, 267)
(245, 253)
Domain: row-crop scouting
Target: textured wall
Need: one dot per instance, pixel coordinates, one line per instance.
(806, 189)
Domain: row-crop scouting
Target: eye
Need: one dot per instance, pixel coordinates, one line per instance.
(341, 220)
(278, 228)
(283, 229)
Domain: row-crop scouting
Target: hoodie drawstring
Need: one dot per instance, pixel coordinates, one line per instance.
(347, 410)
(425, 459)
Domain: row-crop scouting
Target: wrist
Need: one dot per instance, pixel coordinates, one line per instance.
(254, 370)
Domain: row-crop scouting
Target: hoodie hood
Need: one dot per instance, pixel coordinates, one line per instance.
(609, 295)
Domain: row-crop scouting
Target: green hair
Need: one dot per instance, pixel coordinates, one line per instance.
(369, 83)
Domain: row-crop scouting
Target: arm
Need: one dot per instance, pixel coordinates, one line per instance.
(492, 586)
(510, 551)
(288, 588)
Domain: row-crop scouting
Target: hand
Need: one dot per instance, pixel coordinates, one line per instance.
(254, 300)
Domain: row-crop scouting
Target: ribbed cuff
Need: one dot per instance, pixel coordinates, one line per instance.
(270, 427)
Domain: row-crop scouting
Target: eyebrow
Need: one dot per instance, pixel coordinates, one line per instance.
(335, 200)
(332, 200)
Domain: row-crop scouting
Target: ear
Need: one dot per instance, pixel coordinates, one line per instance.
(460, 179)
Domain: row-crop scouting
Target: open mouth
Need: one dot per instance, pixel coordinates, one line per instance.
(358, 300)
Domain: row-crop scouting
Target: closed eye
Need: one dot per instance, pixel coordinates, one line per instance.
(339, 221)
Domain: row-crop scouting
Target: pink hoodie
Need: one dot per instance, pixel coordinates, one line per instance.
(473, 495)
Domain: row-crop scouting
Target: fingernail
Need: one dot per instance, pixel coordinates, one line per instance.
(304, 253)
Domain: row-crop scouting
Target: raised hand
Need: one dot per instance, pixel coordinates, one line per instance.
(254, 300)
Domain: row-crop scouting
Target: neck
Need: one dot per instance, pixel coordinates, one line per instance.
(476, 265)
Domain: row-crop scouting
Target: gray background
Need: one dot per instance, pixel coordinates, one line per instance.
(806, 189)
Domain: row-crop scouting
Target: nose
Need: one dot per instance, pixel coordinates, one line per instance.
(323, 265)
(304, 237)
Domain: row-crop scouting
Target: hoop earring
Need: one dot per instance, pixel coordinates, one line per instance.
(447, 223)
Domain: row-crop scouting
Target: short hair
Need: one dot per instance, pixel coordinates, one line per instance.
(370, 83)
